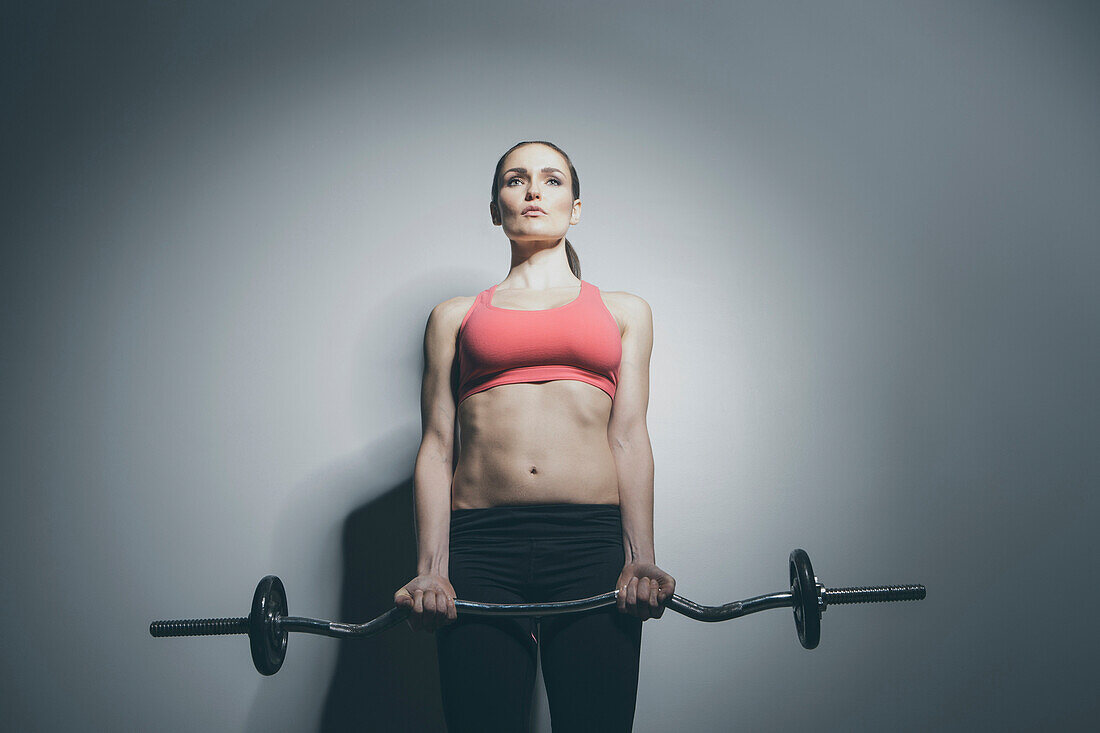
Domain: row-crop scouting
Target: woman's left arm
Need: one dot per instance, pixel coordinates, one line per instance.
(643, 587)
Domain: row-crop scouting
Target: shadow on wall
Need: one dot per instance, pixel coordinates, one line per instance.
(391, 681)
(388, 682)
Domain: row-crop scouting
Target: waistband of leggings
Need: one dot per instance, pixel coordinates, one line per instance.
(538, 521)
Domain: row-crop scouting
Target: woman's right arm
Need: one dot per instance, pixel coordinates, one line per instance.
(430, 594)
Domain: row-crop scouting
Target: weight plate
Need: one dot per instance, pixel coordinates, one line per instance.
(807, 612)
(268, 647)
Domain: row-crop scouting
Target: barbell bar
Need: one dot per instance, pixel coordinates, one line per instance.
(268, 624)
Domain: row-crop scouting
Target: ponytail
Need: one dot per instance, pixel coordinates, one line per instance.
(574, 261)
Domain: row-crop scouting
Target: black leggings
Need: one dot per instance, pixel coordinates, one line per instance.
(537, 554)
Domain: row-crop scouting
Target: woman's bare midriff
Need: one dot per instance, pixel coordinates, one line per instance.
(535, 443)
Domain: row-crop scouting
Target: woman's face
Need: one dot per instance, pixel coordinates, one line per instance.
(536, 195)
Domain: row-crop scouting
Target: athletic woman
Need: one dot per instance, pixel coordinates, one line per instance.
(551, 497)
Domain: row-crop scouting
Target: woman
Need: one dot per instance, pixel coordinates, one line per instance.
(552, 495)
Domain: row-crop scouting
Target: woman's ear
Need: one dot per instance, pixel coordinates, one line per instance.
(575, 216)
(494, 213)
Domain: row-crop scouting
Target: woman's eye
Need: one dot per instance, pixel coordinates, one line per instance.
(510, 181)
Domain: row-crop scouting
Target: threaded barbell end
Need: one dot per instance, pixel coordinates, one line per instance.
(877, 594)
(199, 627)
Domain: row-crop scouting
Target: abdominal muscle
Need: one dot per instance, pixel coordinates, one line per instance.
(535, 443)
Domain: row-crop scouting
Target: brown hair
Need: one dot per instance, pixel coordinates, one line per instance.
(570, 253)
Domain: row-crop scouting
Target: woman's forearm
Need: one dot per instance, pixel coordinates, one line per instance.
(432, 496)
(634, 462)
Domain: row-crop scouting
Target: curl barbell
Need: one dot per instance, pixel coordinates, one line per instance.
(268, 626)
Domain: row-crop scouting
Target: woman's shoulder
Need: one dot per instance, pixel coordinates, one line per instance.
(448, 315)
(634, 304)
(457, 303)
(629, 309)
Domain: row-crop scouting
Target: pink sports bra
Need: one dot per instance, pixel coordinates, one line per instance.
(579, 340)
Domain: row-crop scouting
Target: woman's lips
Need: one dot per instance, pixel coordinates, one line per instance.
(534, 212)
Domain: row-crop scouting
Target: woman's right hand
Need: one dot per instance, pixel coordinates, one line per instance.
(432, 600)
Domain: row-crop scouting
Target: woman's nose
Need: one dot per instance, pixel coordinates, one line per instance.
(533, 191)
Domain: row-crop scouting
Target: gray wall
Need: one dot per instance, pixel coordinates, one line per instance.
(868, 233)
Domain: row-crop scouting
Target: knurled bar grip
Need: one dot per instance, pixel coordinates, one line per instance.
(881, 594)
(199, 627)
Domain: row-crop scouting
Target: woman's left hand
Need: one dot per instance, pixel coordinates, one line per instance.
(643, 590)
